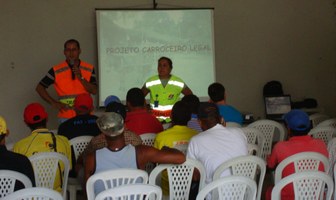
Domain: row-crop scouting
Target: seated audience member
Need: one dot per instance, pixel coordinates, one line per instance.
(100, 142)
(298, 125)
(193, 102)
(216, 144)
(84, 123)
(111, 99)
(13, 161)
(139, 119)
(216, 92)
(178, 134)
(118, 154)
(41, 139)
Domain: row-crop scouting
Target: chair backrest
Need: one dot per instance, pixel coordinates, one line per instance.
(325, 133)
(135, 191)
(269, 128)
(35, 193)
(332, 156)
(248, 166)
(305, 161)
(307, 185)
(47, 165)
(233, 124)
(328, 122)
(230, 187)
(114, 178)
(180, 177)
(182, 147)
(317, 118)
(148, 139)
(253, 149)
(8, 178)
(79, 144)
(254, 136)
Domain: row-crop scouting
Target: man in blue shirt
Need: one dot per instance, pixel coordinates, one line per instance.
(216, 92)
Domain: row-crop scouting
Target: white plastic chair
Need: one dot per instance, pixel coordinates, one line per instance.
(47, 166)
(10, 146)
(180, 177)
(233, 124)
(35, 193)
(305, 161)
(269, 128)
(328, 122)
(317, 118)
(78, 144)
(135, 191)
(254, 136)
(148, 139)
(182, 147)
(253, 149)
(325, 133)
(332, 156)
(230, 187)
(307, 185)
(114, 178)
(252, 167)
(8, 178)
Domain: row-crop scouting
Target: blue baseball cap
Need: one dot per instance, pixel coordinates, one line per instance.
(297, 120)
(111, 99)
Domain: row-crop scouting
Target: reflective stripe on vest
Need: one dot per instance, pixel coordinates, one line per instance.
(68, 88)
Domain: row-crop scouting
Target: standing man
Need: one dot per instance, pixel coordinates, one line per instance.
(164, 89)
(216, 144)
(216, 92)
(70, 78)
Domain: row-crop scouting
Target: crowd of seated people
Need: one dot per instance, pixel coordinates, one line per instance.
(116, 141)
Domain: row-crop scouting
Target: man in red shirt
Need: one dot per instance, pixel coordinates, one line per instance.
(298, 125)
(139, 119)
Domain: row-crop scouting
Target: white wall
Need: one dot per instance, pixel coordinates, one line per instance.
(292, 41)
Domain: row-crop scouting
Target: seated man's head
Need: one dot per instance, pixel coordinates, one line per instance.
(3, 130)
(111, 124)
(110, 99)
(192, 102)
(180, 114)
(297, 122)
(216, 92)
(35, 116)
(83, 104)
(117, 108)
(208, 115)
(135, 98)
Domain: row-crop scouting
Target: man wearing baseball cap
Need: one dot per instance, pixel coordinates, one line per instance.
(119, 155)
(298, 125)
(41, 139)
(10, 160)
(84, 123)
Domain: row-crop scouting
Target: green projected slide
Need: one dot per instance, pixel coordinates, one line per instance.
(131, 41)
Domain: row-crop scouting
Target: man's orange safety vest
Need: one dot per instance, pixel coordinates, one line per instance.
(68, 88)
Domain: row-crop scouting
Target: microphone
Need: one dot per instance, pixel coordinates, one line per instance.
(71, 65)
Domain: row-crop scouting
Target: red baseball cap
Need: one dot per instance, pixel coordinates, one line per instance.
(34, 113)
(83, 102)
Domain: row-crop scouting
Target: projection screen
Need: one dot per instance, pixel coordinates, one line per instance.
(131, 41)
